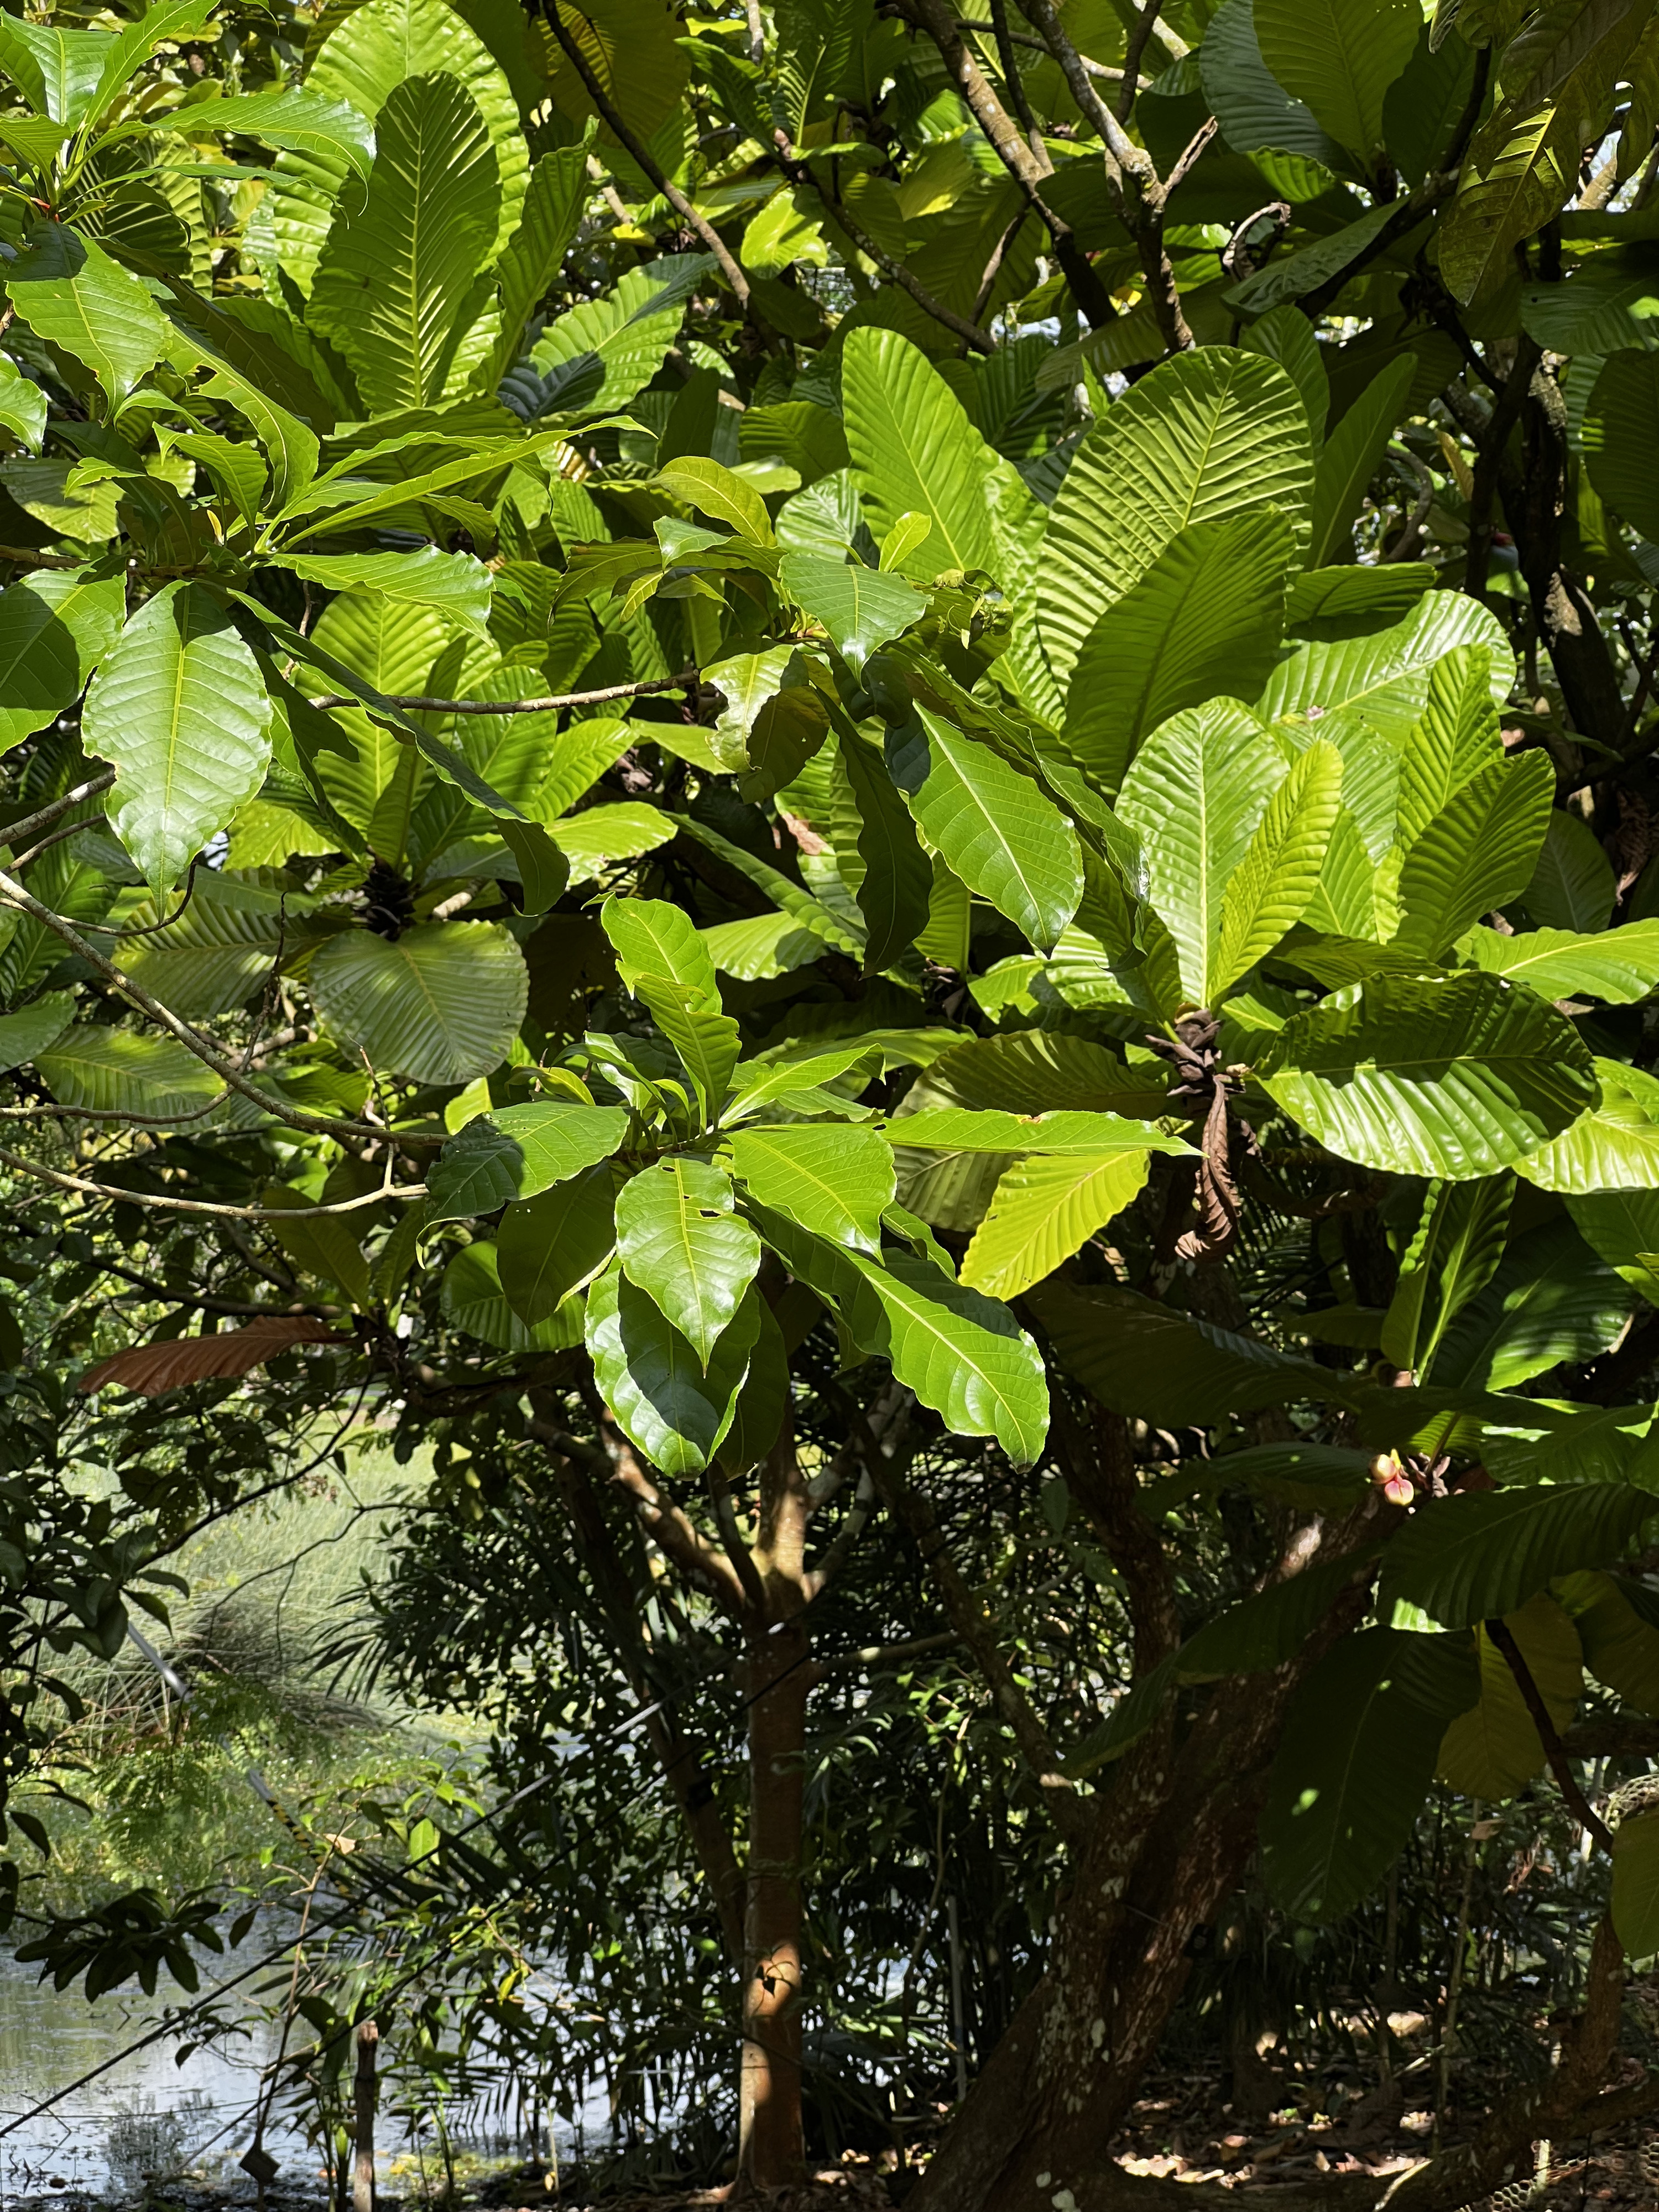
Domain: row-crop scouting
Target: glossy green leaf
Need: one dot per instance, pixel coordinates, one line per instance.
(23, 404)
(1354, 1764)
(1550, 1300)
(1340, 57)
(293, 118)
(54, 628)
(179, 710)
(473, 1301)
(1207, 616)
(125, 1071)
(894, 877)
(671, 1407)
(519, 1151)
(454, 585)
(959, 1129)
(600, 353)
(859, 610)
(1206, 437)
(441, 1004)
(67, 289)
(1452, 741)
(1386, 672)
(1619, 967)
(1479, 1554)
(1477, 853)
(1457, 1079)
(1254, 111)
(995, 828)
(549, 1245)
(1046, 1208)
(1351, 455)
(1573, 885)
(1612, 1145)
(33, 1028)
(835, 1181)
(680, 1240)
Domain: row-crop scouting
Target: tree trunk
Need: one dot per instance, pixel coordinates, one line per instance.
(366, 2089)
(770, 2147)
(1169, 1842)
(770, 2143)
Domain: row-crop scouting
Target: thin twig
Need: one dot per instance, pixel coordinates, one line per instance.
(1102, 69)
(47, 816)
(410, 702)
(61, 1181)
(1148, 16)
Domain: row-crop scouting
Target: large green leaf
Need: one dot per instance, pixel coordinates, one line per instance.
(1210, 436)
(473, 1301)
(1455, 1078)
(1573, 885)
(1494, 1750)
(125, 1071)
(672, 1406)
(55, 627)
(519, 1151)
(1139, 1356)
(1551, 1300)
(893, 881)
(441, 1004)
(302, 121)
(600, 353)
(1034, 1071)
(1521, 164)
(1620, 437)
(1077, 1135)
(553, 208)
(1340, 57)
(835, 1182)
(371, 51)
(455, 585)
(1274, 883)
(1351, 456)
(1386, 673)
(1207, 616)
(1044, 1209)
(1354, 1764)
(680, 1239)
(664, 961)
(962, 1353)
(1477, 853)
(1478, 1554)
(915, 451)
(1197, 791)
(67, 289)
(549, 1245)
(34, 1027)
(1636, 1884)
(1256, 112)
(1619, 967)
(1622, 1226)
(859, 610)
(223, 946)
(993, 827)
(1454, 738)
(1621, 1645)
(1612, 1145)
(180, 711)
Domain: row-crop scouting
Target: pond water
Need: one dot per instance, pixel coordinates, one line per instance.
(147, 2117)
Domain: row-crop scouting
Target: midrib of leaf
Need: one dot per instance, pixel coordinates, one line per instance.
(921, 1317)
(991, 822)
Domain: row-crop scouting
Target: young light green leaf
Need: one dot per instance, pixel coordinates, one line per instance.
(833, 1181)
(453, 584)
(179, 710)
(1478, 854)
(1619, 967)
(681, 1241)
(23, 404)
(716, 490)
(1045, 1208)
(1279, 873)
(965, 1129)
(293, 118)
(1612, 1145)
(653, 938)
(1451, 742)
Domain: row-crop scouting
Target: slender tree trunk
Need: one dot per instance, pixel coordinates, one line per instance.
(770, 2138)
(366, 2092)
(771, 2149)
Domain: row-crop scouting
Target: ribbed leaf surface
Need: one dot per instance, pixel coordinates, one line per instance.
(1479, 1554)
(441, 1005)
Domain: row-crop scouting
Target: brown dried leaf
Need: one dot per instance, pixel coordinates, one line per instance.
(152, 1368)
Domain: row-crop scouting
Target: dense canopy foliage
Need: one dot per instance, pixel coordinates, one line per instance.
(744, 739)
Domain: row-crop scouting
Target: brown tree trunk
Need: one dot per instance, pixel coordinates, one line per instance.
(770, 2136)
(770, 2145)
(365, 2097)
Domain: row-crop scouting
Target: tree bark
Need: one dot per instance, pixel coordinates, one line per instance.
(365, 2089)
(770, 2149)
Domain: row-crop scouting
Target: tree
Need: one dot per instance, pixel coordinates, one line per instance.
(1106, 938)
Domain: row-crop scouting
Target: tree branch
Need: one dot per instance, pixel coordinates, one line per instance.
(1149, 11)
(60, 1182)
(687, 678)
(1566, 1781)
(730, 267)
(47, 815)
(677, 1537)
